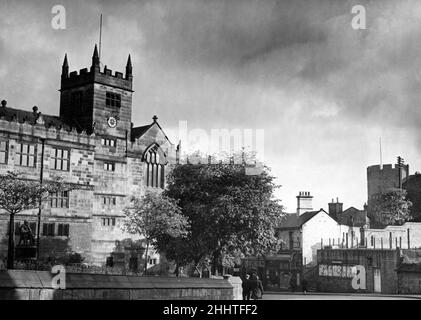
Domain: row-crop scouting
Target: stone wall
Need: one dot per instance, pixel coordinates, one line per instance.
(337, 262)
(37, 285)
(409, 282)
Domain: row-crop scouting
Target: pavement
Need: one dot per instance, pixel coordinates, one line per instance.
(335, 296)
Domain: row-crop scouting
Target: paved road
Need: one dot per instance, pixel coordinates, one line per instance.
(331, 296)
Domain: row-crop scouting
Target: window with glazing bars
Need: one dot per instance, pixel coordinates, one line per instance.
(59, 199)
(63, 229)
(113, 99)
(109, 201)
(3, 152)
(25, 155)
(48, 229)
(108, 142)
(60, 159)
(109, 166)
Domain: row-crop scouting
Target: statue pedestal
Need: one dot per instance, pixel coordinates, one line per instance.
(25, 252)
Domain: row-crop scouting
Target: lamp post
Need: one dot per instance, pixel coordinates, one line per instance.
(11, 244)
(40, 202)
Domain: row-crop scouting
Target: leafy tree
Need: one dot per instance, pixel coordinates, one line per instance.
(392, 208)
(157, 218)
(18, 194)
(232, 214)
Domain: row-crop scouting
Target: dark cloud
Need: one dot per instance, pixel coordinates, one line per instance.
(295, 68)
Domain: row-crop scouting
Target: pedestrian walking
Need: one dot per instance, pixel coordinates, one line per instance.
(304, 284)
(256, 287)
(292, 283)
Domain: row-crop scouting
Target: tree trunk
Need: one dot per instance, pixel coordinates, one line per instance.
(146, 257)
(11, 248)
(199, 271)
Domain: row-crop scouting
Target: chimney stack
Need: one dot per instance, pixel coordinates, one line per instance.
(304, 202)
(335, 208)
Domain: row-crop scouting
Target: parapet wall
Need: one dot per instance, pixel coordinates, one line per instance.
(37, 285)
(40, 130)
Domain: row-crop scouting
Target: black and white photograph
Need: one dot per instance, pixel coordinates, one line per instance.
(222, 151)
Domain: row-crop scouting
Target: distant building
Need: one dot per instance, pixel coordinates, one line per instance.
(352, 217)
(301, 233)
(304, 231)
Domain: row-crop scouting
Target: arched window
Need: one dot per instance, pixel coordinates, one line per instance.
(155, 167)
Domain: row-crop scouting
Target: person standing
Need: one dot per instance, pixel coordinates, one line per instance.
(246, 287)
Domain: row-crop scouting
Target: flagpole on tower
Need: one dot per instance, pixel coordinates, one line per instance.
(381, 160)
(100, 36)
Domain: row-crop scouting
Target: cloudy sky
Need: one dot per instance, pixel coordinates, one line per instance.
(323, 92)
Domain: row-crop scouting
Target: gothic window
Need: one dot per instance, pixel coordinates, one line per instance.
(25, 155)
(113, 99)
(155, 169)
(3, 152)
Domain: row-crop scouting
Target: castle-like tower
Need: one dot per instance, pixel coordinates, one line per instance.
(384, 178)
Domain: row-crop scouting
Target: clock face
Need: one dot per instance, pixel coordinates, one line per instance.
(112, 122)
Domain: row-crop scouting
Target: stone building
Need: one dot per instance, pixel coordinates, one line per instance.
(352, 216)
(381, 179)
(412, 185)
(97, 151)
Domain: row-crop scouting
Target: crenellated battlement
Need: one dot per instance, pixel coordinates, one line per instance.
(46, 130)
(384, 167)
(95, 75)
(85, 72)
(383, 178)
(84, 76)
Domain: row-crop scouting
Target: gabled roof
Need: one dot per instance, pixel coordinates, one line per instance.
(352, 209)
(137, 132)
(293, 221)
